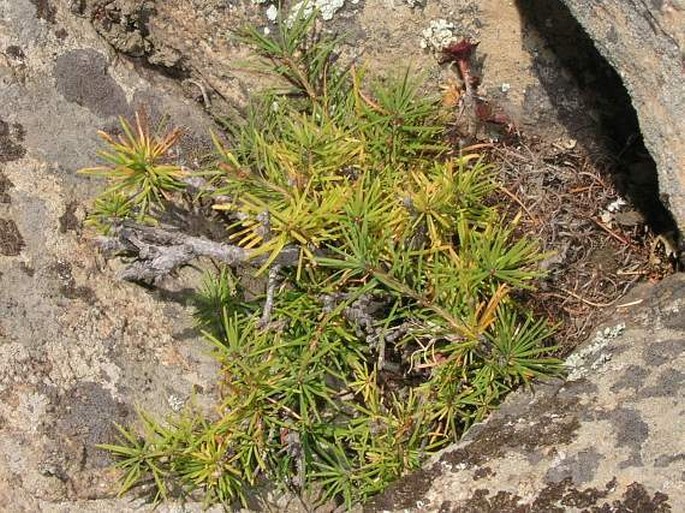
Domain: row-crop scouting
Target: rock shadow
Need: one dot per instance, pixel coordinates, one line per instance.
(605, 119)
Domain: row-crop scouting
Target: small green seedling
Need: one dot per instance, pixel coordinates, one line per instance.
(138, 170)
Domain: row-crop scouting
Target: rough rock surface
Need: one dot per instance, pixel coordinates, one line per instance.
(645, 43)
(78, 349)
(385, 37)
(609, 438)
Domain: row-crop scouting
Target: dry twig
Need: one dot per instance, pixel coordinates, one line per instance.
(158, 251)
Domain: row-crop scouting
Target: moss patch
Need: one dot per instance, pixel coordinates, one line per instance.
(82, 78)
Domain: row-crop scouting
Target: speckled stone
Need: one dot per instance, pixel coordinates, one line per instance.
(608, 438)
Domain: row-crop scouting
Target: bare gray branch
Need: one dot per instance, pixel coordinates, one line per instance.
(160, 250)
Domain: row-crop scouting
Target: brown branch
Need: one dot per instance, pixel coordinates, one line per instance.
(461, 54)
(513, 196)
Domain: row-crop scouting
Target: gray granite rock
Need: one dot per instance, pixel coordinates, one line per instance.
(78, 350)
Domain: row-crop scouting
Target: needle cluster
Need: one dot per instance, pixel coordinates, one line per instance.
(395, 328)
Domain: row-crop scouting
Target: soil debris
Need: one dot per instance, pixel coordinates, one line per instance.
(563, 196)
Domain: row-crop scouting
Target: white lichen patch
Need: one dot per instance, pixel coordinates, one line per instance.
(326, 8)
(175, 402)
(616, 205)
(272, 13)
(438, 35)
(593, 357)
(612, 208)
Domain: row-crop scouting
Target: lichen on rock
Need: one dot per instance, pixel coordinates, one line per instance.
(438, 35)
(326, 8)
